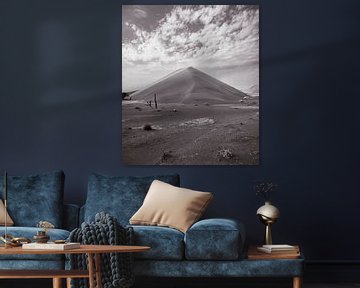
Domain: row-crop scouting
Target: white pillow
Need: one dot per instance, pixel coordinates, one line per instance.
(170, 206)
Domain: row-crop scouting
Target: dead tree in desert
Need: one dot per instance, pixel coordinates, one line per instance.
(155, 101)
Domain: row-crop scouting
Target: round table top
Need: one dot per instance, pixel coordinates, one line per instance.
(90, 249)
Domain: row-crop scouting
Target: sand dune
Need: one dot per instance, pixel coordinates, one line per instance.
(189, 86)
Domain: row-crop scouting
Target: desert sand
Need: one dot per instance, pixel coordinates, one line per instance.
(193, 135)
(199, 120)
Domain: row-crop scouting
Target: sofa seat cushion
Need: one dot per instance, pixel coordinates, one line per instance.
(120, 196)
(166, 243)
(29, 232)
(214, 239)
(35, 198)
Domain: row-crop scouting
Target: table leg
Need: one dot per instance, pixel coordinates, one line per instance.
(98, 270)
(91, 270)
(68, 282)
(297, 282)
(57, 283)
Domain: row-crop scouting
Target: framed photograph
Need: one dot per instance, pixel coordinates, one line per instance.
(190, 84)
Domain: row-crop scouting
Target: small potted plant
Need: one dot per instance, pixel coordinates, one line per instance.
(265, 190)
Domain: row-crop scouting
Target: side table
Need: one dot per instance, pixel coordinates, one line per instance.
(288, 259)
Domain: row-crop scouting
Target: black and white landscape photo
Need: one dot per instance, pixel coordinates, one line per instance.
(190, 84)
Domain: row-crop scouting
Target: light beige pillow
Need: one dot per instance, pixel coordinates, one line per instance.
(9, 221)
(170, 206)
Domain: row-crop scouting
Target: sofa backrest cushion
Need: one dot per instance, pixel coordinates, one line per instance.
(35, 198)
(120, 196)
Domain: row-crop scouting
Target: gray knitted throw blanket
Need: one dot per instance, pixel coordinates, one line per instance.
(116, 268)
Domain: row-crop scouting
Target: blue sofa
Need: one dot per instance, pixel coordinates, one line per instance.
(210, 248)
(32, 199)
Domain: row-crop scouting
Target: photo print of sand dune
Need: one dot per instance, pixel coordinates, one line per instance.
(190, 84)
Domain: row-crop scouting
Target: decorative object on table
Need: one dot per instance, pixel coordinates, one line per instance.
(268, 213)
(41, 236)
(116, 268)
(255, 254)
(59, 241)
(11, 241)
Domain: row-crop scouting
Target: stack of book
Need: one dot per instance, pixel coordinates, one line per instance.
(279, 249)
(274, 252)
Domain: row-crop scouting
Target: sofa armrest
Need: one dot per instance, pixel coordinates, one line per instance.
(71, 216)
(215, 239)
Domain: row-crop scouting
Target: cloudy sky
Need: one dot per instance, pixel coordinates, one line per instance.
(220, 40)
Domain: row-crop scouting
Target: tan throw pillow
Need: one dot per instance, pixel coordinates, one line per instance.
(170, 206)
(10, 222)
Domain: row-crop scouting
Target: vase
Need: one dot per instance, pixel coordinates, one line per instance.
(268, 214)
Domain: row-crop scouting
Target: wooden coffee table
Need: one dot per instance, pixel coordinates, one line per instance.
(92, 251)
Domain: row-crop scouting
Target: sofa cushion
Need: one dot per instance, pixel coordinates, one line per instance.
(29, 232)
(35, 198)
(120, 196)
(9, 221)
(170, 206)
(214, 239)
(165, 243)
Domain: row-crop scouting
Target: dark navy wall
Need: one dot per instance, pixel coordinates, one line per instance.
(60, 108)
